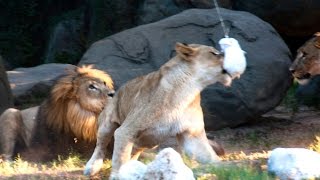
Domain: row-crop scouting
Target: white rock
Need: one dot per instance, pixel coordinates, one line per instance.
(234, 57)
(294, 163)
(132, 170)
(168, 165)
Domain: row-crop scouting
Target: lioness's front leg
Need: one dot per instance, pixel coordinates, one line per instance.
(11, 125)
(196, 146)
(123, 144)
(104, 136)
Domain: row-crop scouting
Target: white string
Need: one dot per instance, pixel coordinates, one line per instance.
(225, 30)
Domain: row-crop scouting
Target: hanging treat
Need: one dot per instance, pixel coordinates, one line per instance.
(234, 57)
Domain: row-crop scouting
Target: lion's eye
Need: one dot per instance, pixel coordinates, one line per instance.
(214, 53)
(92, 87)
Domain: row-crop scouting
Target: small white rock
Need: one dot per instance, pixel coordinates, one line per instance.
(234, 57)
(294, 163)
(132, 170)
(168, 165)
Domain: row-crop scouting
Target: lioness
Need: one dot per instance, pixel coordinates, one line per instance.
(307, 62)
(149, 109)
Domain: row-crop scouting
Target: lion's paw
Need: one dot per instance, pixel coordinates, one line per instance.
(93, 167)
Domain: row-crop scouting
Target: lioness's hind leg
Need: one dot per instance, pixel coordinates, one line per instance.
(11, 125)
(197, 147)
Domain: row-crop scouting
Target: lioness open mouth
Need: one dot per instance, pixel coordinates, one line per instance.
(305, 76)
(304, 79)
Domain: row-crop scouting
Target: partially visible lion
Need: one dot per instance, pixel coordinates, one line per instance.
(307, 62)
(151, 108)
(66, 121)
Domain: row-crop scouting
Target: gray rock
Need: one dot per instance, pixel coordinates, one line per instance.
(143, 49)
(154, 10)
(298, 18)
(6, 99)
(294, 163)
(66, 43)
(36, 81)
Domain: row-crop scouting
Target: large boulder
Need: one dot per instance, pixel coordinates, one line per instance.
(298, 18)
(32, 85)
(154, 10)
(66, 43)
(143, 49)
(6, 99)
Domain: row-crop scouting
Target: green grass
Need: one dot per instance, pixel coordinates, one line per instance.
(231, 172)
(290, 101)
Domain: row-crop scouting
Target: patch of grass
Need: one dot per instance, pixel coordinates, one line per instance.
(290, 101)
(230, 173)
(70, 167)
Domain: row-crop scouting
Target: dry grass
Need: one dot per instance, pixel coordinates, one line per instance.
(67, 168)
(315, 146)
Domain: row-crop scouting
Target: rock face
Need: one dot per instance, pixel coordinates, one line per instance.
(154, 10)
(35, 82)
(6, 99)
(66, 43)
(143, 49)
(294, 163)
(293, 19)
(168, 165)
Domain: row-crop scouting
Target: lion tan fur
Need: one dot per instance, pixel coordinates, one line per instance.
(67, 116)
(307, 61)
(148, 109)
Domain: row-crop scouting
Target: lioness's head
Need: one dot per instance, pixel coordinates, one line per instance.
(206, 61)
(307, 62)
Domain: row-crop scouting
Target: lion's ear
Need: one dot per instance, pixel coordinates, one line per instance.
(186, 52)
(317, 42)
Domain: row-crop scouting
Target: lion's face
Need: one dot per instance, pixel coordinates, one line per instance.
(307, 62)
(93, 93)
(77, 99)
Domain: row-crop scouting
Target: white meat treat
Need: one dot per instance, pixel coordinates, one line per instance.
(234, 57)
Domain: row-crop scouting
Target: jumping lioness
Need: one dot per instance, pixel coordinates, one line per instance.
(149, 109)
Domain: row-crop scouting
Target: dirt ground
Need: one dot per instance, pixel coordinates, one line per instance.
(278, 128)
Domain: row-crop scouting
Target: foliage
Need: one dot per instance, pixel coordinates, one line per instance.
(290, 101)
(23, 28)
(315, 146)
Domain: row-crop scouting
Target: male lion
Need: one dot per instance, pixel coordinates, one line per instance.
(149, 109)
(307, 62)
(65, 121)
